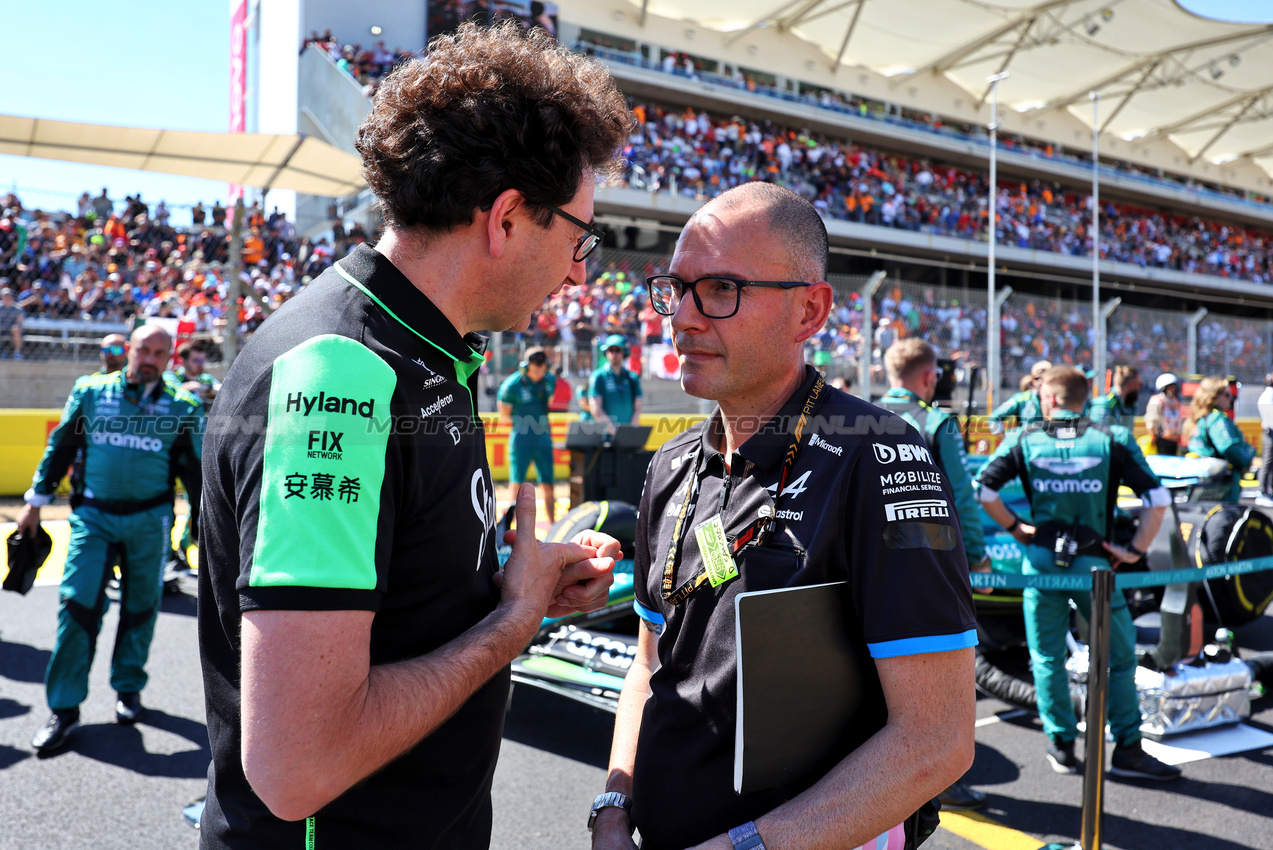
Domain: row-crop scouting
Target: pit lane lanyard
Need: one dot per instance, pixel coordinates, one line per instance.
(757, 531)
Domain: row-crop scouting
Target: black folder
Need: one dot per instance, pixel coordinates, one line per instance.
(799, 683)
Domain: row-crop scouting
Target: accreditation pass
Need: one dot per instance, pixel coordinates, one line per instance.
(714, 549)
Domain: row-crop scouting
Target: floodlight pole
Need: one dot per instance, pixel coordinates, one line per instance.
(1098, 326)
(233, 285)
(992, 303)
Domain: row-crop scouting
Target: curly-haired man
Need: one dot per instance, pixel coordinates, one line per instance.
(355, 628)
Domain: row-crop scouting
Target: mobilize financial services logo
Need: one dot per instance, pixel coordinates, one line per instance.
(917, 509)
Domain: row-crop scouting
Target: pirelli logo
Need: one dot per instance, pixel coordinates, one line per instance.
(917, 509)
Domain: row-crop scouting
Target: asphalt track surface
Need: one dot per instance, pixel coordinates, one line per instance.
(123, 787)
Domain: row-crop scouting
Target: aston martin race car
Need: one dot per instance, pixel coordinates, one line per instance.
(1192, 674)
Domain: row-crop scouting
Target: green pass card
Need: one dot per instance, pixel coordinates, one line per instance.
(715, 551)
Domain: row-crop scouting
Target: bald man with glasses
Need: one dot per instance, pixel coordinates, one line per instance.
(783, 486)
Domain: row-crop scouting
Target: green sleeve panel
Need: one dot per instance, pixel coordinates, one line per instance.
(63, 442)
(1010, 408)
(1106, 410)
(326, 436)
(1229, 442)
(951, 452)
(594, 384)
(550, 381)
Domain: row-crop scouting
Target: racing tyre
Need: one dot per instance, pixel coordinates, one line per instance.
(1234, 533)
(997, 676)
(618, 519)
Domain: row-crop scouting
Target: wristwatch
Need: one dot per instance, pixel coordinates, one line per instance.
(1131, 547)
(611, 798)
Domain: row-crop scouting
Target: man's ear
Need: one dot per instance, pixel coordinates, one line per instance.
(816, 302)
(504, 220)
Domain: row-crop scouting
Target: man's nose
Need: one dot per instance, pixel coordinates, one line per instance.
(578, 273)
(687, 315)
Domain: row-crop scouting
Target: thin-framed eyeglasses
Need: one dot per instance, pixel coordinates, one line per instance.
(717, 297)
(590, 239)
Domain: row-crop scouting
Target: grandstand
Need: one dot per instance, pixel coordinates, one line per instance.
(876, 115)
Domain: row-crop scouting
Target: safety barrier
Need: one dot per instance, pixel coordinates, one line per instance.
(1122, 581)
(24, 432)
(1102, 583)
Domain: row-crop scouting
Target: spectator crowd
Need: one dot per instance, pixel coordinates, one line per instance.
(699, 155)
(762, 83)
(114, 262)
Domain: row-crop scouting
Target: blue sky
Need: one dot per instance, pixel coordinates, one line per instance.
(1242, 11)
(144, 63)
(164, 63)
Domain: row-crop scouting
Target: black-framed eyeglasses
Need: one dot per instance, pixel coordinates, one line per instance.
(717, 297)
(591, 237)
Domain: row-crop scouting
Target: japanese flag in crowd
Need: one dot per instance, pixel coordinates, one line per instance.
(664, 363)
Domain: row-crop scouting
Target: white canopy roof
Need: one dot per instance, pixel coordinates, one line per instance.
(296, 162)
(1161, 71)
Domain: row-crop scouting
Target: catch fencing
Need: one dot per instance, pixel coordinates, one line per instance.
(572, 325)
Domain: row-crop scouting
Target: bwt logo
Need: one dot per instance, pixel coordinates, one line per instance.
(904, 452)
(917, 509)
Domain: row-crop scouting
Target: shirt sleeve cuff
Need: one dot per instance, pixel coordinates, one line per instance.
(36, 500)
(985, 495)
(653, 617)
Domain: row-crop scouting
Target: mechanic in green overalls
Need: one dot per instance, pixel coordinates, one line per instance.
(1024, 406)
(913, 374)
(193, 376)
(1211, 433)
(1071, 471)
(523, 405)
(138, 433)
(1118, 406)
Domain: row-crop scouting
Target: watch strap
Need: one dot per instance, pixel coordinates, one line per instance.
(606, 800)
(746, 837)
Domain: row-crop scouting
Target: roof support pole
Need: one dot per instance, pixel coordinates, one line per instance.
(799, 15)
(1127, 98)
(1255, 98)
(1007, 60)
(758, 23)
(848, 34)
(956, 55)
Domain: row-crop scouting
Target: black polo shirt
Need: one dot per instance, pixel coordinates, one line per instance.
(345, 469)
(865, 504)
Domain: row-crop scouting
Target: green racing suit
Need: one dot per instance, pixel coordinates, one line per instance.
(1071, 471)
(128, 451)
